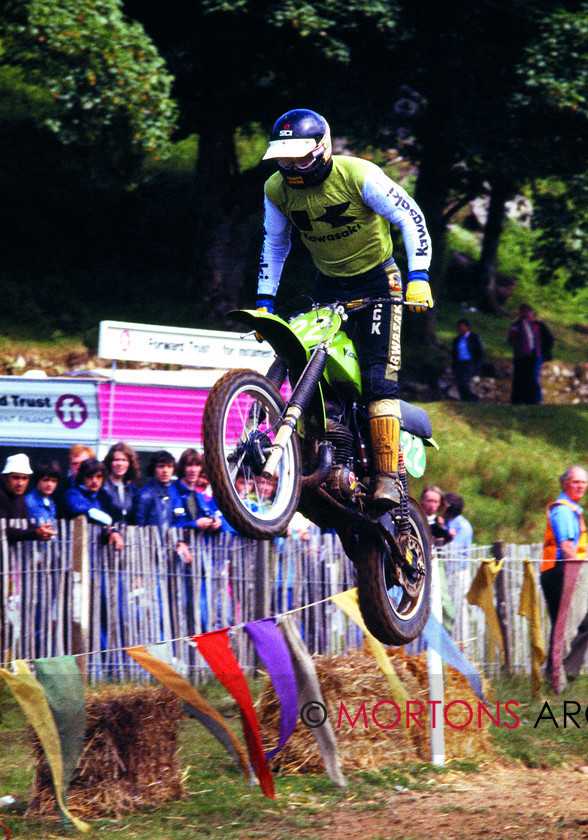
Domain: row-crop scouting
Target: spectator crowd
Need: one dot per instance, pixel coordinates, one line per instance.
(111, 493)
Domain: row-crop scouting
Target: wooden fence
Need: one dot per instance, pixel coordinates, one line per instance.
(74, 595)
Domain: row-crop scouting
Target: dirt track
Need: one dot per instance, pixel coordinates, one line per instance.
(502, 801)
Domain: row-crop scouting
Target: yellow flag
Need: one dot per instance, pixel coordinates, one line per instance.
(481, 595)
(529, 609)
(347, 601)
(29, 694)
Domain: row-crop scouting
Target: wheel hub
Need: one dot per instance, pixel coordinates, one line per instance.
(257, 448)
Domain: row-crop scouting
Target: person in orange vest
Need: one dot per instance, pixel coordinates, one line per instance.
(565, 539)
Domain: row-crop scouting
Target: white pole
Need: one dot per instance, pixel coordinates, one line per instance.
(435, 672)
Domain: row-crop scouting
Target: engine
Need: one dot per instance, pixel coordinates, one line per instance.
(341, 482)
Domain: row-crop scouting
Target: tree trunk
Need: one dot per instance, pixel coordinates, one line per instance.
(486, 269)
(228, 218)
(215, 174)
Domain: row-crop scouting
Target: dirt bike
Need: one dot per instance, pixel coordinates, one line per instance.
(268, 456)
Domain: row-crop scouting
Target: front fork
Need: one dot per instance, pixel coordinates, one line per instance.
(301, 396)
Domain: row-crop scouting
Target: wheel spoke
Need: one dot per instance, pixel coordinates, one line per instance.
(241, 414)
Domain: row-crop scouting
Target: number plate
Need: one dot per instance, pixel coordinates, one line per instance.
(413, 450)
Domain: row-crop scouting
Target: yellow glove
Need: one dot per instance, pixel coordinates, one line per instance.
(418, 295)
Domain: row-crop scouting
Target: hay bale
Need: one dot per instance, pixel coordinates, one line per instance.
(469, 742)
(129, 758)
(354, 679)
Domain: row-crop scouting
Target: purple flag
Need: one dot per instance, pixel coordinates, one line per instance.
(273, 652)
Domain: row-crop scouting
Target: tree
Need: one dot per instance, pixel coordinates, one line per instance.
(557, 68)
(108, 84)
(484, 78)
(447, 80)
(237, 63)
(561, 217)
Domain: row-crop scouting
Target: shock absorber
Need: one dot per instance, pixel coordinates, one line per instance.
(404, 519)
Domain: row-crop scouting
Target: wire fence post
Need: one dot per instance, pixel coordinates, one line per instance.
(262, 586)
(80, 631)
(501, 606)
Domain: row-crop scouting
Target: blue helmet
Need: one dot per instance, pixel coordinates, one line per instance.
(300, 142)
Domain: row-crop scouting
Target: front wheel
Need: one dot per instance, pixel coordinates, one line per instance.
(395, 603)
(240, 420)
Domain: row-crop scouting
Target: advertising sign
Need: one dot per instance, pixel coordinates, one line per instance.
(190, 348)
(48, 412)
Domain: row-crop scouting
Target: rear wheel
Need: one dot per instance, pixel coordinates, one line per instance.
(241, 417)
(395, 601)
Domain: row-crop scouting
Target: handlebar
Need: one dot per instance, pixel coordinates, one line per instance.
(364, 303)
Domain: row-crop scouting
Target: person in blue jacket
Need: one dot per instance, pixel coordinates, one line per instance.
(159, 501)
(201, 509)
(122, 476)
(40, 503)
(87, 497)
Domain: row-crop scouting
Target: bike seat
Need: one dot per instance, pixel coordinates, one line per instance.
(415, 420)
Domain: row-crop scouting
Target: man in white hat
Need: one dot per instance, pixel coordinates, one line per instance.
(14, 481)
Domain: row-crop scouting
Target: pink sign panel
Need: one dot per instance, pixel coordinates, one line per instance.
(156, 415)
(149, 413)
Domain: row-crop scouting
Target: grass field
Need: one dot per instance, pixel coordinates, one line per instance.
(219, 803)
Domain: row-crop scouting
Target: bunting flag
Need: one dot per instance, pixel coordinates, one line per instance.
(273, 652)
(62, 683)
(197, 706)
(570, 576)
(481, 595)
(437, 637)
(575, 636)
(530, 609)
(29, 694)
(215, 648)
(347, 601)
(309, 691)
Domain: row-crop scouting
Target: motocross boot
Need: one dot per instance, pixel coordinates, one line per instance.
(385, 433)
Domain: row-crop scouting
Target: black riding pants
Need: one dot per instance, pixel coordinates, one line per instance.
(375, 331)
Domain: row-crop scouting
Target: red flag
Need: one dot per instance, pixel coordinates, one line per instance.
(215, 648)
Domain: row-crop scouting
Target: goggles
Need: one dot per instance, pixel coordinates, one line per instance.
(301, 163)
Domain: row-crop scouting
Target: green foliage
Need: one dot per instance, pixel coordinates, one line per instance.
(556, 63)
(561, 219)
(554, 86)
(332, 22)
(463, 241)
(20, 100)
(505, 462)
(109, 85)
(515, 255)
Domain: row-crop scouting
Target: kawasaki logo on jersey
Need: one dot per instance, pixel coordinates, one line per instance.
(334, 215)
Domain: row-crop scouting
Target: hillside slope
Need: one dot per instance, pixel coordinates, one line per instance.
(505, 461)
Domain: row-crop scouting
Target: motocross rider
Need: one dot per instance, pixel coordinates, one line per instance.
(342, 207)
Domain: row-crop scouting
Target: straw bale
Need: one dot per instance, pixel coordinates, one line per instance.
(129, 758)
(355, 678)
(472, 741)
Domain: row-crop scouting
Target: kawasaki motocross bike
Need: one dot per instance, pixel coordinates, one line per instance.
(315, 450)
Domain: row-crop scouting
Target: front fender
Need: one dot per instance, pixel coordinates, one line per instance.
(276, 332)
(288, 346)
